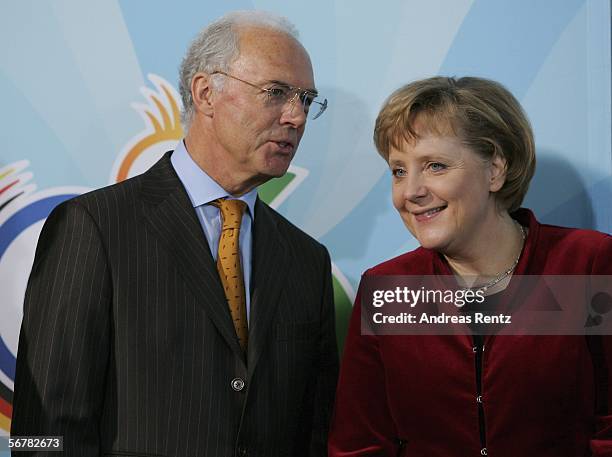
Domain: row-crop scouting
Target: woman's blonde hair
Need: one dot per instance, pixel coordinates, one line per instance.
(481, 112)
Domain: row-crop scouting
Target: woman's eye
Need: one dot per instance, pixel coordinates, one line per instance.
(398, 172)
(436, 166)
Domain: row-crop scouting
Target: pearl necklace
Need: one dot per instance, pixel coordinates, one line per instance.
(503, 274)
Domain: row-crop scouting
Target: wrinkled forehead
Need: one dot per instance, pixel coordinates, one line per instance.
(274, 55)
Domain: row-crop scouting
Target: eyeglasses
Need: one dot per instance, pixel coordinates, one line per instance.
(280, 94)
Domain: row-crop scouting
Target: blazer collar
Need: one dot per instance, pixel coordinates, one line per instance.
(170, 215)
(270, 264)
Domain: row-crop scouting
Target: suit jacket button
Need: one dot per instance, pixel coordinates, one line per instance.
(237, 384)
(242, 451)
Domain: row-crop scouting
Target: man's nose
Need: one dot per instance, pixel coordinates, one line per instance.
(294, 112)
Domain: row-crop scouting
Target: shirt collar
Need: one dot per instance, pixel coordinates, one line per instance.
(200, 187)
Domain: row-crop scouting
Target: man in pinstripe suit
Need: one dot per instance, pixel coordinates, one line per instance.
(127, 346)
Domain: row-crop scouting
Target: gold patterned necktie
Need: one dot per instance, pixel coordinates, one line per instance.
(228, 264)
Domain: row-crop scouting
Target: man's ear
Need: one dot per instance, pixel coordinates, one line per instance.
(201, 93)
(498, 169)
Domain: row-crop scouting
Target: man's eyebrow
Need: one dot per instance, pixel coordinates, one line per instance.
(283, 83)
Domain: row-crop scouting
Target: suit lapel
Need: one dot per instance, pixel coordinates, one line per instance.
(170, 215)
(268, 273)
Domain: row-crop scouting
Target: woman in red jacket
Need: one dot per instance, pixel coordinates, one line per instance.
(461, 153)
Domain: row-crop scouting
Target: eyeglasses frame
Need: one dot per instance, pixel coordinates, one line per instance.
(297, 91)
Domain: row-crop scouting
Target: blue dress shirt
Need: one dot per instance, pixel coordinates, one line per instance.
(202, 190)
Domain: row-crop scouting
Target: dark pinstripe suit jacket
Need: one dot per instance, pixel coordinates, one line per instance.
(127, 346)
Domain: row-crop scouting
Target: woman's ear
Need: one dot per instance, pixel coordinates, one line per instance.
(498, 169)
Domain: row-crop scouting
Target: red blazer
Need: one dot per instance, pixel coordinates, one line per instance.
(416, 395)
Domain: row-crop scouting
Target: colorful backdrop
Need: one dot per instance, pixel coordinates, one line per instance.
(88, 97)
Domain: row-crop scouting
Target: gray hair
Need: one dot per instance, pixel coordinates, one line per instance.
(216, 47)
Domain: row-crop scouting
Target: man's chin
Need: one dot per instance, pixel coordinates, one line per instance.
(276, 174)
(277, 167)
